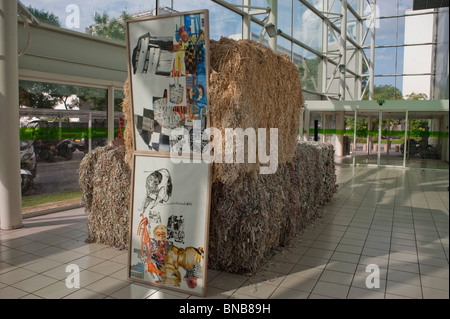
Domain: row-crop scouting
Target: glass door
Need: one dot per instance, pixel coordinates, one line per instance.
(427, 140)
(392, 138)
(366, 150)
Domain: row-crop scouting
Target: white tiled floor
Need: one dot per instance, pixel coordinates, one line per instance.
(396, 219)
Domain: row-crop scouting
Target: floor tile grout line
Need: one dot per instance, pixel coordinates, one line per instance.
(434, 222)
(390, 248)
(417, 246)
(437, 231)
(390, 244)
(384, 188)
(46, 258)
(370, 226)
(347, 226)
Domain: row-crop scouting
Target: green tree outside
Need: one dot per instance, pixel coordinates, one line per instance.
(111, 29)
(44, 16)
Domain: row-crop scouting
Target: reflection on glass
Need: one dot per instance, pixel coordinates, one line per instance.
(309, 67)
(285, 17)
(307, 26)
(256, 30)
(386, 88)
(352, 27)
(223, 22)
(119, 118)
(391, 31)
(355, 4)
(44, 16)
(61, 123)
(427, 140)
(316, 127)
(284, 46)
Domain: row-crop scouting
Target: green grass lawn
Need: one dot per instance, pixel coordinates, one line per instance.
(34, 200)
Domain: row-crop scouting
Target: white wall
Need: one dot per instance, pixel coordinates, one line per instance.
(418, 59)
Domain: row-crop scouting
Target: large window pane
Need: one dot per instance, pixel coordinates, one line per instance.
(223, 22)
(332, 77)
(385, 61)
(355, 4)
(256, 30)
(387, 88)
(352, 27)
(59, 124)
(261, 3)
(119, 118)
(427, 140)
(392, 8)
(284, 46)
(307, 26)
(107, 15)
(390, 31)
(310, 68)
(285, 16)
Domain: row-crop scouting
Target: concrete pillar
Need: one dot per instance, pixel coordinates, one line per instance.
(339, 138)
(10, 190)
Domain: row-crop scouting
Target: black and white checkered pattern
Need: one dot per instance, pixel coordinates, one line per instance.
(150, 130)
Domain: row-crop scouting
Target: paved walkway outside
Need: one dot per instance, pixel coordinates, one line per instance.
(395, 220)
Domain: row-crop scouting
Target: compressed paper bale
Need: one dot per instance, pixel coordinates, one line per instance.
(252, 218)
(253, 215)
(252, 87)
(104, 179)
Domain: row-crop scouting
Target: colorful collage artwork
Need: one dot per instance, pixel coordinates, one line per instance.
(168, 74)
(168, 63)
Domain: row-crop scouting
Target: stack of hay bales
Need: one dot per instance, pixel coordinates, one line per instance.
(251, 215)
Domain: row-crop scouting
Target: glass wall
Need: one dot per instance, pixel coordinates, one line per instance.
(384, 144)
(310, 35)
(406, 50)
(119, 119)
(427, 140)
(59, 124)
(392, 138)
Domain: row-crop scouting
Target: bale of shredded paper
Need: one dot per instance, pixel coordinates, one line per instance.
(104, 179)
(251, 218)
(251, 215)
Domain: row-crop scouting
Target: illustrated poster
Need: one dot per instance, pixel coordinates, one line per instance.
(169, 224)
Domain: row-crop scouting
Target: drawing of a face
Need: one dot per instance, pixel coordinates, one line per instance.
(160, 232)
(184, 36)
(153, 180)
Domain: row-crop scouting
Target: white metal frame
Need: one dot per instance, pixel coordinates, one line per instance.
(329, 25)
